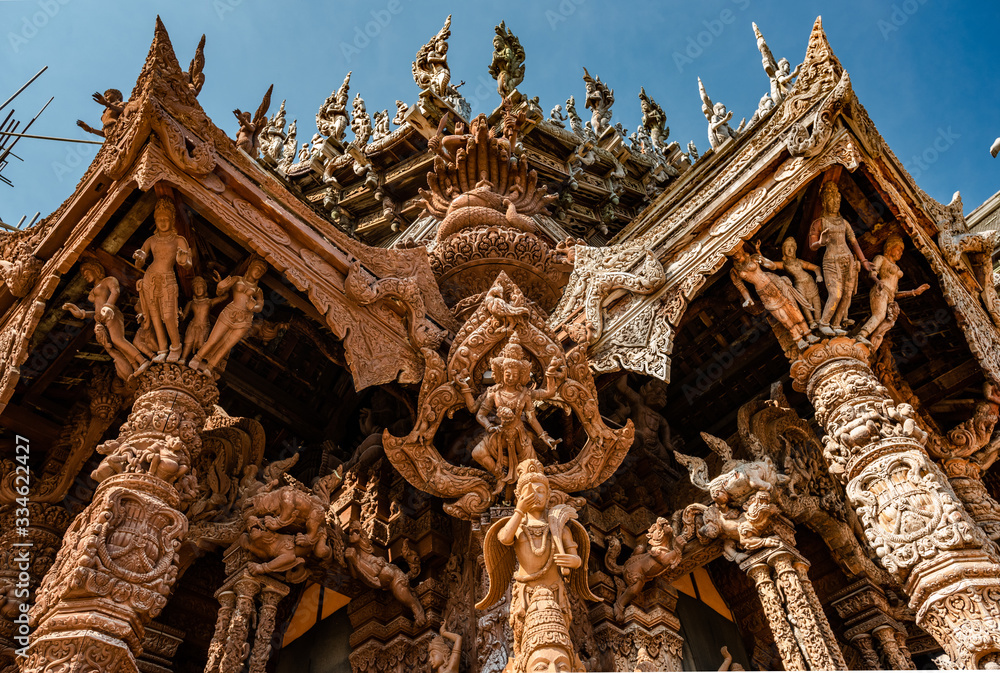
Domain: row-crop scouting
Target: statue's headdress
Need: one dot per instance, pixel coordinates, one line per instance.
(545, 626)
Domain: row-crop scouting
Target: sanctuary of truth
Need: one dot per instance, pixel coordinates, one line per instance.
(518, 392)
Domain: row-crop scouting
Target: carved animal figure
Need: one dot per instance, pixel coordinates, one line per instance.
(648, 560)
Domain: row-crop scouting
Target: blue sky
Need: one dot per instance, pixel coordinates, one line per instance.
(926, 70)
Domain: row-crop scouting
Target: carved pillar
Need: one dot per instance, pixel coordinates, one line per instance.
(236, 647)
(271, 594)
(760, 572)
(911, 515)
(863, 642)
(649, 634)
(227, 601)
(890, 647)
(29, 539)
(118, 561)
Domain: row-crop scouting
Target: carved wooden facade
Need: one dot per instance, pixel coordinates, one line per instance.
(488, 383)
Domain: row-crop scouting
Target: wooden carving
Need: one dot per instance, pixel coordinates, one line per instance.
(503, 317)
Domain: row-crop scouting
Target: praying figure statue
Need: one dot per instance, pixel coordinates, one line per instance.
(886, 288)
(799, 270)
(719, 130)
(158, 292)
(236, 318)
(113, 108)
(109, 323)
(840, 261)
(199, 308)
(502, 411)
(776, 293)
(549, 549)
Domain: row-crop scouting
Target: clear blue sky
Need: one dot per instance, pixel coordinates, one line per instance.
(925, 69)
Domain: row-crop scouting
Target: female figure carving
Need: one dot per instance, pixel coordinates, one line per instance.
(886, 288)
(236, 318)
(799, 270)
(840, 261)
(776, 294)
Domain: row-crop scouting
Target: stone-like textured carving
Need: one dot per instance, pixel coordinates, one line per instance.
(548, 545)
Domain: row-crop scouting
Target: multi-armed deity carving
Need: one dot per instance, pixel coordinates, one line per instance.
(507, 67)
(600, 98)
(332, 119)
(549, 549)
(719, 130)
(432, 74)
(743, 502)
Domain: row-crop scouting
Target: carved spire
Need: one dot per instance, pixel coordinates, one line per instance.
(820, 71)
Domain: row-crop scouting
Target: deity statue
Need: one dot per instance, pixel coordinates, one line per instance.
(648, 560)
(247, 138)
(401, 110)
(507, 67)
(558, 117)
(445, 652)
(109, 323)
(886, 287)
(504, 407)
(159, 291)
(113, 107)
(199, 308)
(840, 261)
(362, 123)
(431, 72)
(692, 151)
(654, 119)
(378, 573)
(380, 125)
(575, 123)
(719, 130)
(779, 72)
(652, 432)
(236, 318)
(332, 118)
(799, 270)
(600, 98)
(273, 135)
(776, 293)
(550, 548)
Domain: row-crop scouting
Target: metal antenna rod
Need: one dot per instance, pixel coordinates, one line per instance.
(23, 87)
(28, 126)
(65, 140)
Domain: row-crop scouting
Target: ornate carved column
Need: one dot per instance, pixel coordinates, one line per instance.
(911, 515)
(118, 561)
(236, 648)
(863, 642)
(271, 594)
(227, 601)
(26, 554)
(801, 630)
(890, 647)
